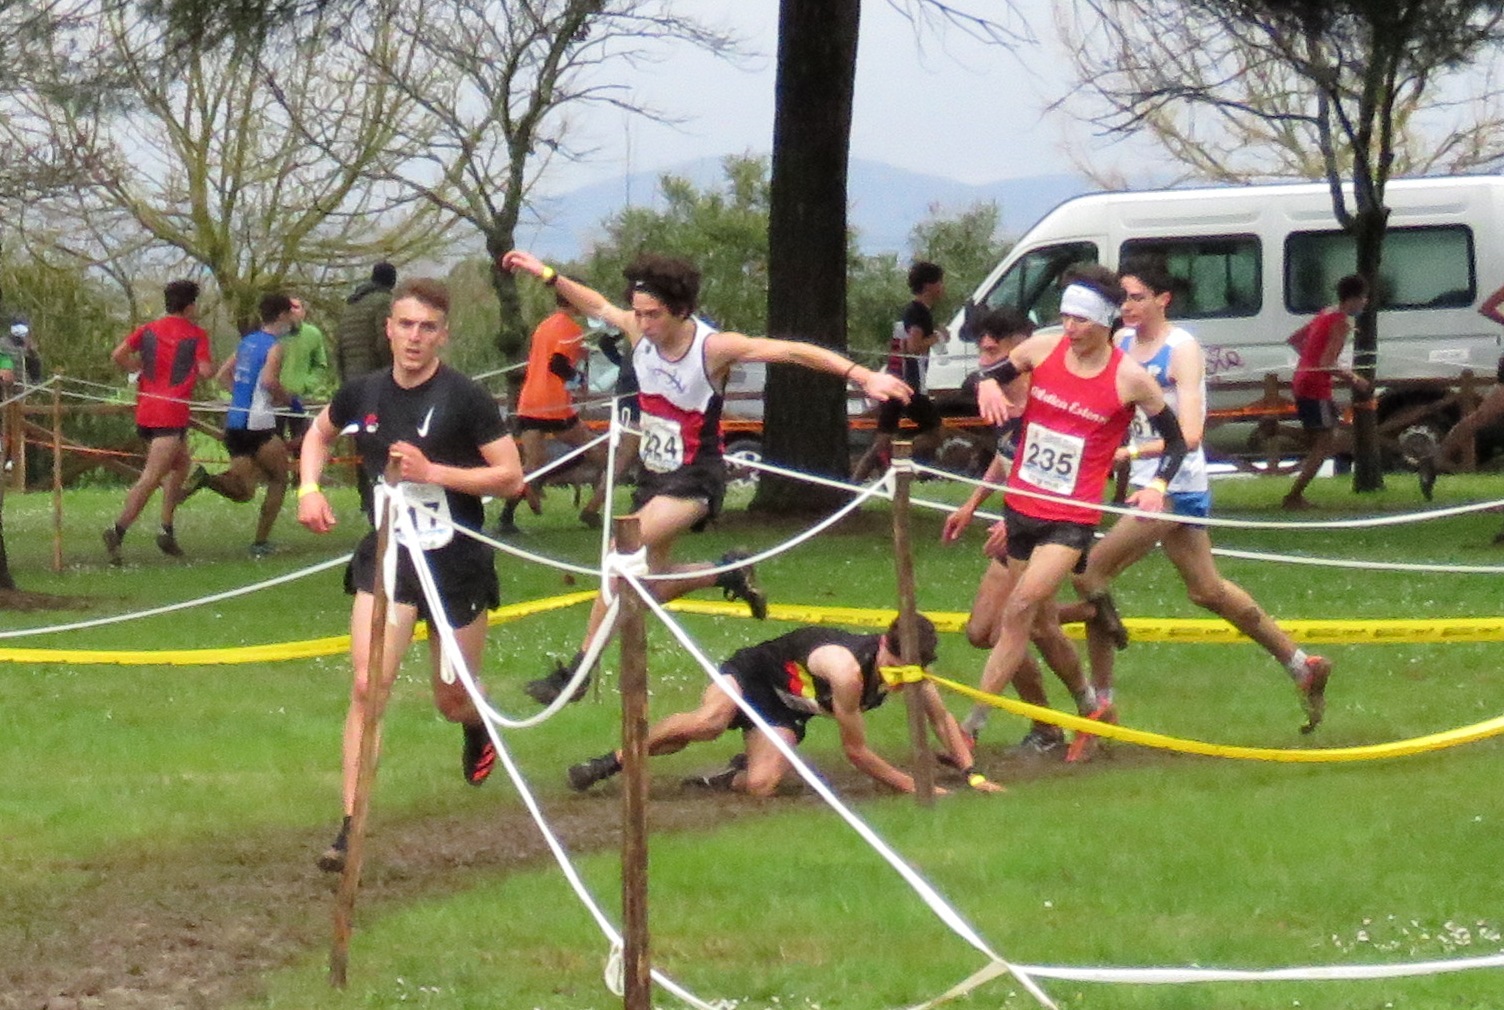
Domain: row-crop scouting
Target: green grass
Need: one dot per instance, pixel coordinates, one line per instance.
(1139, 859)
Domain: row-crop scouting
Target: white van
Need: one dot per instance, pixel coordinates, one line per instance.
(1260, 261)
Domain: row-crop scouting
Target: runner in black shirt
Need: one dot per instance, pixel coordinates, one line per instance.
(789, 680)
(447, 435)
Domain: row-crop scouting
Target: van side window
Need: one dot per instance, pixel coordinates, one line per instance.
(1425, 267)
(1032, 282)
(1223, 274)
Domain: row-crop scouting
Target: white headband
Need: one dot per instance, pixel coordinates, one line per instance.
(1080, 300)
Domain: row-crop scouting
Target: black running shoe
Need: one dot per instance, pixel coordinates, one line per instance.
(1107, 619)
(479, 755)
(192, 483)
(1042, 741)
(112, 540)
(741, 584)
(719, 781)
(333, 859)
(546, 688)
(167, 543)
(597, 769)
(1425, 470)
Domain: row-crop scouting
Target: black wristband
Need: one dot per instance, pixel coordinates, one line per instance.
(1002, 373)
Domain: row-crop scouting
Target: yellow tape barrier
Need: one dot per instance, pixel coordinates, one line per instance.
(1480, 630)
(260, 653)
(1168, 629)
(1369, 752)
(1184, 630)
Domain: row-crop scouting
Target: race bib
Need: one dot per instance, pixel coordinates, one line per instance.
(1051, 460)
(429, 511)
(662, 445)
(1141, 431)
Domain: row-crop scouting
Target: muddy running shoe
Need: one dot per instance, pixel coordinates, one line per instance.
(741, 584)
(1106, 619)
(1425, 471)
(548, 687)
(261, 549)
(1084, 745)
(590, 519)
(597, 769)
(167, 543)
(333, 858)
(112, 540)
(719, 781)
(1312, 687)
(1042, 741)
(192, 483)
(948, 759)
(479, 755)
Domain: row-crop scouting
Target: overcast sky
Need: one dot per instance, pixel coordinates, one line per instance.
(933, 99)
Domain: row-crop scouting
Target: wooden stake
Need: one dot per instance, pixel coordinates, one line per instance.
(378, 688)
(921, 760)
(57, 472)
(636, 964)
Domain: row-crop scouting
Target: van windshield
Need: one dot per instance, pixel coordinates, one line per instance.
(1031, 283)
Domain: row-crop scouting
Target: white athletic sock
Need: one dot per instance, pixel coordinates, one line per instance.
(975, 720)
(1297, 664)
(1086, 700)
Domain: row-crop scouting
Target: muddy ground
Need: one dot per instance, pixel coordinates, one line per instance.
(199, 928)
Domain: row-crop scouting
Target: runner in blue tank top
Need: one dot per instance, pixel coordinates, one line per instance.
(1174, 358)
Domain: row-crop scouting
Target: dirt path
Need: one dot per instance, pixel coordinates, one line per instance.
(198, 928)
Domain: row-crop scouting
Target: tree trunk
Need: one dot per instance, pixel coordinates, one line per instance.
(510, 336)
(804, 413)
(1368, 231)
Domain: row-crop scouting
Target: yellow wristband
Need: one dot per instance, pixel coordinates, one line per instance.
(549, 276)
(1133, 452)
(308, 489)
(1159, 484)
(976, 780)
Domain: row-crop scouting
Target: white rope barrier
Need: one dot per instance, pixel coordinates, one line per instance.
(927, 893)
(229, 594)
(454, 660)
(1369, 522)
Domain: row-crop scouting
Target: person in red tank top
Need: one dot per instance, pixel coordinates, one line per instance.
(170, 355)
(1319, 344)
(1082, 394)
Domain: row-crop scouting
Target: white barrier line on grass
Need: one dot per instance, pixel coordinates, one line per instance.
(228, 594)
(454, 658)
(922, 887)
(1291, 559)
(1314, 973)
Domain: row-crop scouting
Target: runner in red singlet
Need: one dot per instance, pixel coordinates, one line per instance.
(1082, 394)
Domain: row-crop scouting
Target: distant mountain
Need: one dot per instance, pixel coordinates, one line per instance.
(886, 203)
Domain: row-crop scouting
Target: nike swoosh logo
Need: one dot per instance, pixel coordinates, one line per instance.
(423, 428)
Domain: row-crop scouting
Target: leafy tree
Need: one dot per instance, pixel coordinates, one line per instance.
(1351, 80)
(496, 81)
(204, 165)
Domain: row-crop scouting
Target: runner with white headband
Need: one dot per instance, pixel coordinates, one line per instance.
(1082, 395)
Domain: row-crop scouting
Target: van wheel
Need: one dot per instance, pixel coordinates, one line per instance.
(742, 477)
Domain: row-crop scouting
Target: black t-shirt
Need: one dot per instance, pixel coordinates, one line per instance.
(449, 417)
(784, 663)
(907, 367)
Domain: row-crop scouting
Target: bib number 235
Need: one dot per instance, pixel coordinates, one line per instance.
(1051, 460)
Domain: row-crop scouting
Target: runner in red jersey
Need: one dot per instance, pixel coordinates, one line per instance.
(1082, 394)
(171, 354)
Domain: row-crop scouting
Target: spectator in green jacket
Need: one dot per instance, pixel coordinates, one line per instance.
(305, 373)
(360, 343)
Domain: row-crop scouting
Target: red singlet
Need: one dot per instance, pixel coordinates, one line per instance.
(1072, 425)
